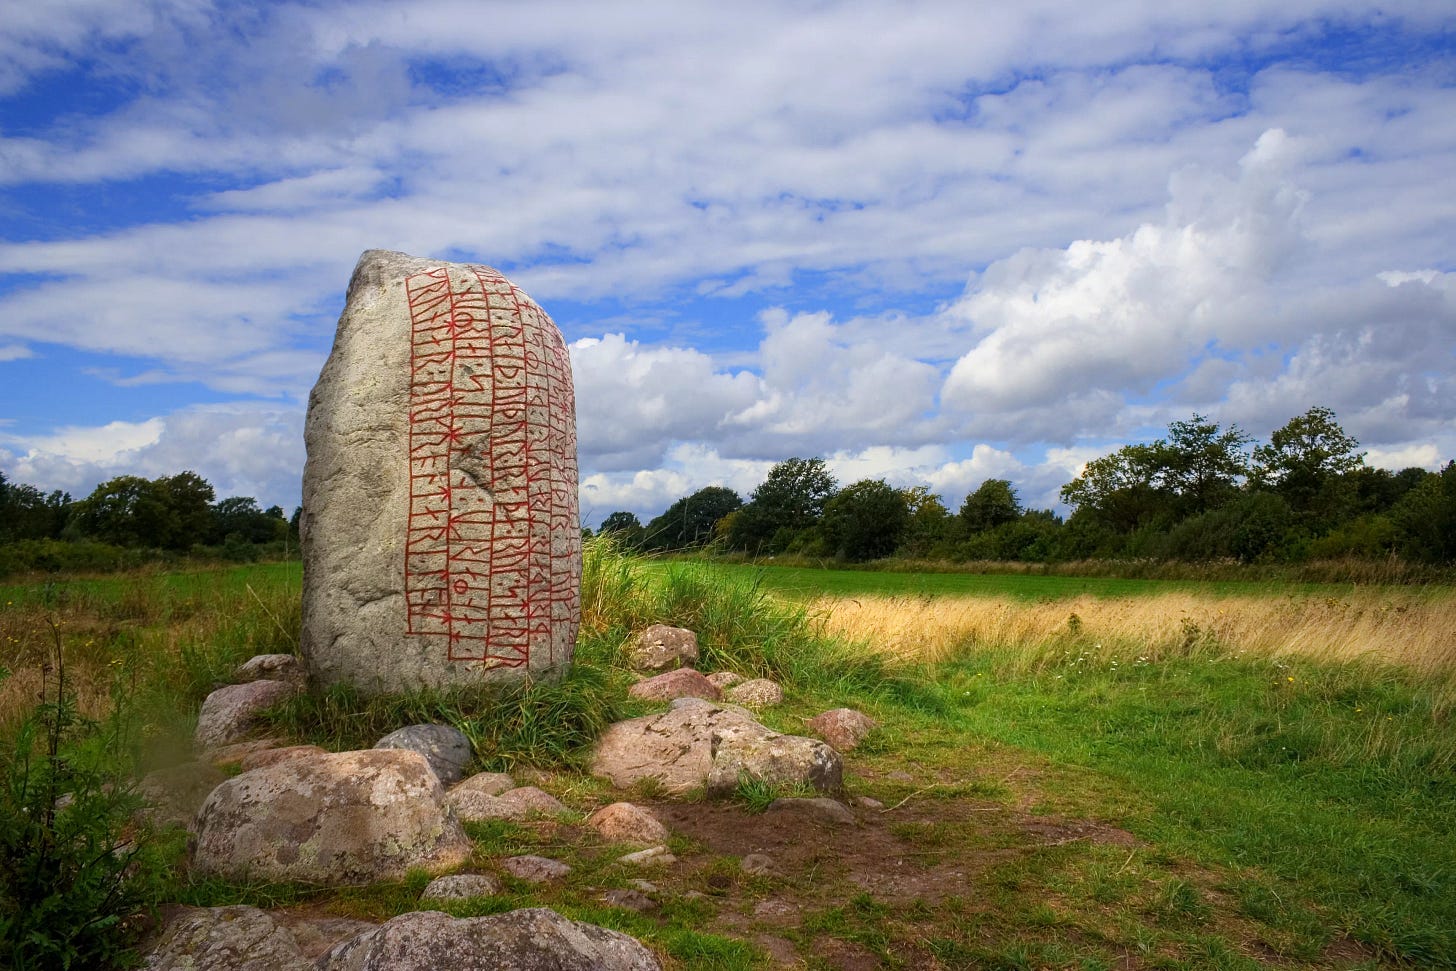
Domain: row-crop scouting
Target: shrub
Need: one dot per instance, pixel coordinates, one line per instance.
(75, 866)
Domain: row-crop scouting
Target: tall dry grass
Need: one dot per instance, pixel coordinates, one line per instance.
(1416, 631)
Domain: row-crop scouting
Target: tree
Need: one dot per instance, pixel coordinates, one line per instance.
(994, 502)
(1201, 465)
(865, 521)
(188, 498)
(789, 501)
(1118, 492)
(1307, 462)
(929, 525)
(173, 512)
(28, 513)
(240, 517)
(691, 520)
(1425, 518)
(625, 528)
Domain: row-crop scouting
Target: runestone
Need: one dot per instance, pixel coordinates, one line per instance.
(441, 538)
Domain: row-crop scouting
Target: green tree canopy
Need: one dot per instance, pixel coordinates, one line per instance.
(994, 502)
(1307, 462)
(865, 521)
(1200, 464)
(692, 519)
(789, 501)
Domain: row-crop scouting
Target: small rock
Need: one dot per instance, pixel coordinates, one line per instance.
(652, 856)
(819, 809)
(724, 680)
(524, 802)
(272, 756)
(461, 886)
(273, 667)
(445, 747)
(758, 693)
(843, 728)
(759, 865)
(865, 802)
(629, 900)
(662, 648)
(682, 683)
(226, 939)
(231, 712)
(490, 783)
(534, 869)
(646, 886)
(622, 822)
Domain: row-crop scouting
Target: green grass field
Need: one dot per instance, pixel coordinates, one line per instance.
(1046, 805)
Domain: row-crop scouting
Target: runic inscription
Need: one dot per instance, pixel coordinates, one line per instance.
(492, 470)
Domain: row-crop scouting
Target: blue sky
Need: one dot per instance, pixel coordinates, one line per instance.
(932, 242)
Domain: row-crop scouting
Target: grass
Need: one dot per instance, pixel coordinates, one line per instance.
(1075, 773)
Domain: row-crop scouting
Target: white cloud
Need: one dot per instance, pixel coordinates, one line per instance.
(15, 352)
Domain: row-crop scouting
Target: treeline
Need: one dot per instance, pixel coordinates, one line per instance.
(131, 520)
(1203, 493)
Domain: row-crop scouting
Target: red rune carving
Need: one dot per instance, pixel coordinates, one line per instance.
(492, 470)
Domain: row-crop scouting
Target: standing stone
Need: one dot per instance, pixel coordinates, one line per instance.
(441, 541)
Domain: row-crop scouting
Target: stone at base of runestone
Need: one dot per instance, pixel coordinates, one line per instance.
(844, 728)
(231, 712)
(622, 822)
(225, 939)
(758, 693)
(534, 869)
(682, 683)
(461, 886)
(446, 748)
(537, 939)
(662, 648)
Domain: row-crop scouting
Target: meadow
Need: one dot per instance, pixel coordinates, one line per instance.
(1078, 773)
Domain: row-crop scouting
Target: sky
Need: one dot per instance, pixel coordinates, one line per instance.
(931, 242)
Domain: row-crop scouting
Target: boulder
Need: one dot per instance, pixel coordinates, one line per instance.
(446, 748)
(699, 743)
(440, 536)
(524, 802)
(682, 683)
(758, 693)
(461, 886)
(662, 648)
(225, 939)
(272, 756)
(750, 751)
(534, 869)
(844, 728)
(537, 939)
(231, 712)
(272, 667)
(622, 822)
(337, 818)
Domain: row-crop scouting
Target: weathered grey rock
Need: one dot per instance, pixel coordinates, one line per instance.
(723, 680)
(819, 810)
(652, 856)
(682, 683)
(446, 748)
(534, 869)
(867, 802)
(272, 667)
(750, 751)
(272, 756)
(758, 693)
(523, 802)
(490, 783)
(441, 541)
(461, 886)
(633, 900)
(174, 795)
(337, 818)
(315, 935)
(622, 822)
(231, 712)
(844, 728)
(699, 743)
(537, 939)
(226, 939)
(234, 753)
(662, 648)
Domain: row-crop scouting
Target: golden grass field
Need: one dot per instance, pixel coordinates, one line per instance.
(1411, 630)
